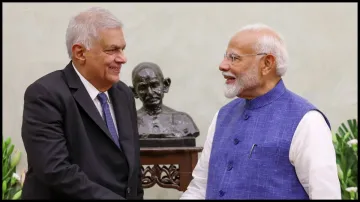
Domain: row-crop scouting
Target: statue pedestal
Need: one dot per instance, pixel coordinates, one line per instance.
(168, 167)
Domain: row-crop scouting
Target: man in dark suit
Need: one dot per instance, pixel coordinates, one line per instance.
(80, 124)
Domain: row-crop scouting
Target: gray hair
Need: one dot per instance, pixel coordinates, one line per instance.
(272, 45)
(84, 27)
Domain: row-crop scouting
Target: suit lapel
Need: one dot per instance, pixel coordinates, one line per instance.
(122, 114)
(83, 98)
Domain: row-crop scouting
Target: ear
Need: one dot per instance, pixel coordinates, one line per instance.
(268, 65)
(134, 92)
(78, 52)
(167, 82)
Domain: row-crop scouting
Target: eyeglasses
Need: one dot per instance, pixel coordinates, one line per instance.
(234, 57)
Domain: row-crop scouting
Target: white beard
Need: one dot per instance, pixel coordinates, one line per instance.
(232, 90)
(247, 80)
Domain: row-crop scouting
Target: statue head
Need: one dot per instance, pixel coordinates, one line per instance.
(149, 84)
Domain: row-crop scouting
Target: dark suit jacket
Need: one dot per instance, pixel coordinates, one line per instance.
(70, 152)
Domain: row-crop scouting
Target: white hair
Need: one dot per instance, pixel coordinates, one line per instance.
(272, 45)
(84, 27)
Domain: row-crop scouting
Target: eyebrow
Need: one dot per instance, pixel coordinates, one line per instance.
(117, 47)
(235, 54)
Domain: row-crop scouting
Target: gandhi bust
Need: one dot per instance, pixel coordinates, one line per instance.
(155, 120)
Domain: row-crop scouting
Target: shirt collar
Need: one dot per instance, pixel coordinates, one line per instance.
(93, 92)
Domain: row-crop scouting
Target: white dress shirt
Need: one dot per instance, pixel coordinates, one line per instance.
(93, 92)
(311, 153)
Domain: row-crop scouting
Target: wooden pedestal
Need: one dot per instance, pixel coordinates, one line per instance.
(169, 167)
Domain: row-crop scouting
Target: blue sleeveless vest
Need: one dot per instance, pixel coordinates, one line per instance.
(250, 150)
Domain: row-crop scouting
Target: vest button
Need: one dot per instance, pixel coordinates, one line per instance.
(230, 166)
(236, 141)
(221, 193)
(246, 117)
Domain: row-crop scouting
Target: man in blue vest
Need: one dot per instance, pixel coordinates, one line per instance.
(268, 143)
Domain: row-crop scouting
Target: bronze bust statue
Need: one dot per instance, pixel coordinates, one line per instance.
(155, 120)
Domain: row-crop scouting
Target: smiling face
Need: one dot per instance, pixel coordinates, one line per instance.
(101, 64)
(236, 84)
(240, 66)
(250, 65)
(149, 87)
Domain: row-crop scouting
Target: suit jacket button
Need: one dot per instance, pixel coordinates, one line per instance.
(128, 190)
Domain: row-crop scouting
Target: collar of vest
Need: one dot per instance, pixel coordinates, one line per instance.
(268, 97)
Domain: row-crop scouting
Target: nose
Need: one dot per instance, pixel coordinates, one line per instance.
(121, 58)
(150, 90)
(224, 65)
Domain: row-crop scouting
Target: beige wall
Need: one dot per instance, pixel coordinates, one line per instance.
(188, 41)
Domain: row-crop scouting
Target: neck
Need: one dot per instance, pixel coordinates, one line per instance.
(92, 79)
(260, 90)
(153, 110)
(98, 86)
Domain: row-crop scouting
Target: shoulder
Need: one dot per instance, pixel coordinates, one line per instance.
(292, 102)
(49, 91)
(184, 120)
(50, 78)
(311, 111)
(315, 118)
(123, 87)
(47, 84)
(182, 115)
(299, 101)
(178, 114)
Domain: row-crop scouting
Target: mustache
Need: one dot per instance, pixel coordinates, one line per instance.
(229, 74)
